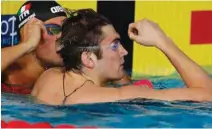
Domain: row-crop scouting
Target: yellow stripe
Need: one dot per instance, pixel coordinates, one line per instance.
(11, 7)
(79, 4)
(174, 18)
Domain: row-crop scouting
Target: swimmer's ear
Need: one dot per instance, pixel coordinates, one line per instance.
(88, 59)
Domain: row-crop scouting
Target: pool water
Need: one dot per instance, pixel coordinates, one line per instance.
(140, 113)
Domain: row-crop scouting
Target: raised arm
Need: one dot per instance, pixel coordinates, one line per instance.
(148, 33)
(31, 38)
(192, 74)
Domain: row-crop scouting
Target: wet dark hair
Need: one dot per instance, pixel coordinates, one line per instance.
(81, 32)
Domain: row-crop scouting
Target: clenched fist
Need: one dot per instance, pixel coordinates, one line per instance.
(147, 33)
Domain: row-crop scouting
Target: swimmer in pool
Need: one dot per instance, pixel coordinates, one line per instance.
(24, 63)
(92, 55)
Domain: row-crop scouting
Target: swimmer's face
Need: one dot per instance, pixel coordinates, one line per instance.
(46, 50)
(111, 64)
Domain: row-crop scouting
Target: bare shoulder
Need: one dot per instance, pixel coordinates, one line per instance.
(48, 86)
(50, 76)
(48, 80)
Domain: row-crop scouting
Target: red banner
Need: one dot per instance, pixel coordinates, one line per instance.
(201, 27)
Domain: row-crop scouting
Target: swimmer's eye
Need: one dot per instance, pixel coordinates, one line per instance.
(115, 45)
(53, 29)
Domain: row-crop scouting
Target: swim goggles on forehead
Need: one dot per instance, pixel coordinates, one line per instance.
(53, 29)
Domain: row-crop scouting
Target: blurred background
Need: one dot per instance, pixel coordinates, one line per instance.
(188, 23)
